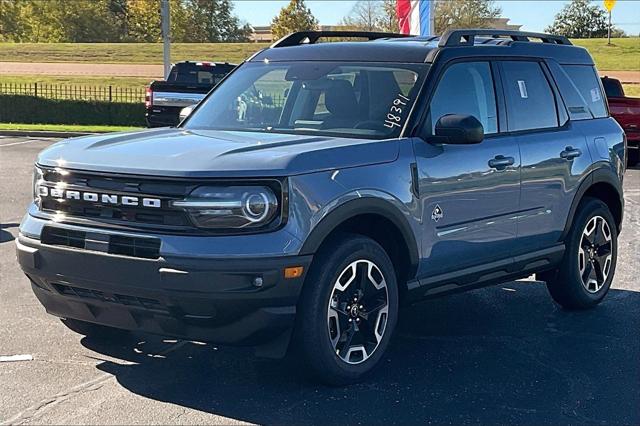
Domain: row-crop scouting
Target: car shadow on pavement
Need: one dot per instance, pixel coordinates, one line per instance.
(504, 354)
(6, 236)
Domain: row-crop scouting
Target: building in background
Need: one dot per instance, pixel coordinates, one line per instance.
(262, 33)
(503, 24)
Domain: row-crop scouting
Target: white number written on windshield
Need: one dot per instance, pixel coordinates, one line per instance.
(396, 112)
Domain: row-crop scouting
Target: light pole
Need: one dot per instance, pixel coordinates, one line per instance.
(166, 36)
(608, 4)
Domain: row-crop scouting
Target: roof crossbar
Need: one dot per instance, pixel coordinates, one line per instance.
(467, 37)
(311, 37)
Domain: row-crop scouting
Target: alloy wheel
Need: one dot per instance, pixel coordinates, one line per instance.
(595, 254)
(358, 311)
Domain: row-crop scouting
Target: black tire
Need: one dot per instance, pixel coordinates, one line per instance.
(567, 285)
(94, 330)
(317, 324)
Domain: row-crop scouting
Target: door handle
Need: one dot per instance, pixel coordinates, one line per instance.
(570, 153)
(500, 162)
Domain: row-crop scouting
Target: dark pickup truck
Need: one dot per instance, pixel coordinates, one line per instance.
(626, 111)
(187, 84)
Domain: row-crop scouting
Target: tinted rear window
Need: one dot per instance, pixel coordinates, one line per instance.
(588, 83)
(530, 101)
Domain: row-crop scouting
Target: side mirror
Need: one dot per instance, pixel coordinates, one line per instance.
(459, 129)
(185, 112)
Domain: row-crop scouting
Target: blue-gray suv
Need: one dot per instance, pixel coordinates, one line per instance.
(322, 185)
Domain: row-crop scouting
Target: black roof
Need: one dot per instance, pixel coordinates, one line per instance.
(382, 47)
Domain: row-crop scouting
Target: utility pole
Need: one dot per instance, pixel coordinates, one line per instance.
(166, 36)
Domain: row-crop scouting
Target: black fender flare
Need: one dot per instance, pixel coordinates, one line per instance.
(600, 175)
(356, 207)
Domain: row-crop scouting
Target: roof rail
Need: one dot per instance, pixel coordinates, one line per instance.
(311, 37)
(467, 37)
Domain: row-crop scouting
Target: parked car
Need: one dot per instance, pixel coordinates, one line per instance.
(395, 169)
(626, 111)
(187, 84)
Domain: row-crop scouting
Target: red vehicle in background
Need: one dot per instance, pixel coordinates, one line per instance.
(626, 111)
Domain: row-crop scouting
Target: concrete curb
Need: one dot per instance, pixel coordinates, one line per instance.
(45, 133)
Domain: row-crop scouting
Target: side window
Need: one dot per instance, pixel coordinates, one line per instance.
(466, 88)
(530, 100)
(588, 84)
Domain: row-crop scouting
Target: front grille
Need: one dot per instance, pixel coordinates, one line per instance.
(165, 217)
(120, 299)
(142, 247)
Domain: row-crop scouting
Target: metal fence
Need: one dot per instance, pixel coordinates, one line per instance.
(75, 92)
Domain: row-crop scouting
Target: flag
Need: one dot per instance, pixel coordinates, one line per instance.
(414, 16)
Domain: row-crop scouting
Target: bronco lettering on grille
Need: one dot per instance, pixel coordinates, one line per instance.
(94, 197)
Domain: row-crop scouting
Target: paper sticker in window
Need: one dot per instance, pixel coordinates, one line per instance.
(595, 95)
(523, 89)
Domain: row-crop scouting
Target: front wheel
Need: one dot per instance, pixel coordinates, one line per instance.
(348, 310)
(589, 263)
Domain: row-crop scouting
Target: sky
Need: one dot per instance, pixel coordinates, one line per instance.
(534, 15)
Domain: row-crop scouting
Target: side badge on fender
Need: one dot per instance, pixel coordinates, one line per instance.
(437, 213)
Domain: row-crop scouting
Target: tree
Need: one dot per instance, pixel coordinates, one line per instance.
(143, 21)
(87, 21)
(451, 14)
(10, 28)
(579, 19)
(294, 17)
(212, 21)
(365, 16)
(389, 20)
(372, 15)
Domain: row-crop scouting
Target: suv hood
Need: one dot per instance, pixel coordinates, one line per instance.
(208, 153)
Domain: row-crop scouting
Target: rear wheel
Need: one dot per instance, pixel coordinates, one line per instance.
(587, 270)
(347, 311)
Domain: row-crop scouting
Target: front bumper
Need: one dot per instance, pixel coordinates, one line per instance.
(204, 299)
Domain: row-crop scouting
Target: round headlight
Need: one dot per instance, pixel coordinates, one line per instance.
(231, 207)
(256, 206)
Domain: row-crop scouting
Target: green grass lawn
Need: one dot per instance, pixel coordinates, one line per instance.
(137, 53)
(80, 80)
(632, 90)
(622, 55)
(66, 127)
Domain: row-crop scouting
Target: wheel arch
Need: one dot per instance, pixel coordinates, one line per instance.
(375, 218)
(604, 185)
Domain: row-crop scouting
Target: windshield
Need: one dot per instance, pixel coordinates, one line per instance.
(324, 98)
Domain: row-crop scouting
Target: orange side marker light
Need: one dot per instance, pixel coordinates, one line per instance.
(293, 272)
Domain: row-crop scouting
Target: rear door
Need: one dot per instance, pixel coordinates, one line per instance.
(555, 155)
(469, 193)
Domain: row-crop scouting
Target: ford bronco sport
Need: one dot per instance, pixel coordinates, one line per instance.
(390, 170)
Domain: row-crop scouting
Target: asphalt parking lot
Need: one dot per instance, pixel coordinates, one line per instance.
(504, 354)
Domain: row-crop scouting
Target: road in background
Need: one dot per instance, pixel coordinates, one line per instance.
(81, 69)
(504, 354)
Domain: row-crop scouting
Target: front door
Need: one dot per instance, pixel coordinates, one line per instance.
(470, 194)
